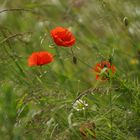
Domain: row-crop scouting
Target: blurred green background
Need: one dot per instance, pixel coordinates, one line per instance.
(36, 102)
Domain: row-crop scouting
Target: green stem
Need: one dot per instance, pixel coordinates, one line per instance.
(111, 117)
(60, 61)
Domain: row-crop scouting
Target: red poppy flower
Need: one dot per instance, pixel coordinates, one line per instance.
(40, 58)
(62, 37)
(103, 70)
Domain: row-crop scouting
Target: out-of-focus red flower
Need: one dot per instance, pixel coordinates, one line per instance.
(40, 58)
(104, 69)
(63, 37)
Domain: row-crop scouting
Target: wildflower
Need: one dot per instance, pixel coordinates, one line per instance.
(104, 70)
(80, 105)
(40, 58)
(62, 37)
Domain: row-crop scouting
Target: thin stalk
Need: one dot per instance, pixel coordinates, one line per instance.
(60, 61)
(111, 116)
(72, 54)
(12, 57)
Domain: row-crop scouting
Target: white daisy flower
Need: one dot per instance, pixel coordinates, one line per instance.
(80, 105)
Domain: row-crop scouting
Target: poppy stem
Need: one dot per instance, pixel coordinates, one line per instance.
(81, 60)
(85, 63)
(111, 117)
(59, 57)
(74, 57)
(72, 52)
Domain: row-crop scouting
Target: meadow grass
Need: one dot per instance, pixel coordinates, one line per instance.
(39, 103)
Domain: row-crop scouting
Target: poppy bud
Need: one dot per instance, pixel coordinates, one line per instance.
(74, 60)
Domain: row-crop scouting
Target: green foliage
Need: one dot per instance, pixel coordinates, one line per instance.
(36, 103)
